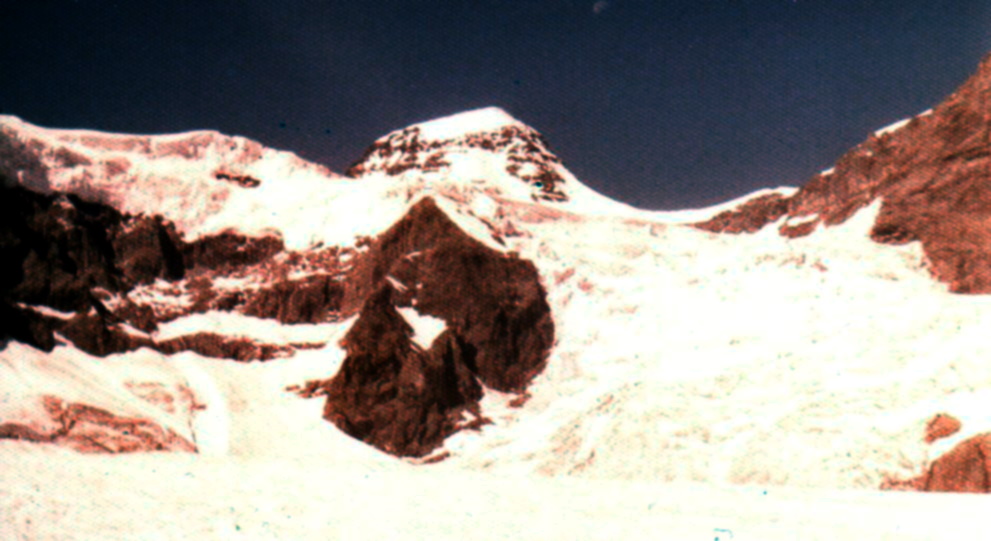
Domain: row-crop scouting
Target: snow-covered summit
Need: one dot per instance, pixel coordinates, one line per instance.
(487, 119)
(485, 150)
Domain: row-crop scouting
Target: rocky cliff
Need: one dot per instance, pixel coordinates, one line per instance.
(931, 173)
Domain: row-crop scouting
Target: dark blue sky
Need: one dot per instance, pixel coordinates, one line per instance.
(663, 104)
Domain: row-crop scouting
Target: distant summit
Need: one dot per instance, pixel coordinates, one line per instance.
(487, 119)
(484, 143)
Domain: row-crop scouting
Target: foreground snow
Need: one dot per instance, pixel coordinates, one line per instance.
(54, 494)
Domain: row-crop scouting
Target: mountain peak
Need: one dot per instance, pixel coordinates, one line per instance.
(486, 149)
(487, 119)
(482, 144)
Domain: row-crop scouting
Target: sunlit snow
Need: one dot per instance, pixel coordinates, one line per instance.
(425, 328)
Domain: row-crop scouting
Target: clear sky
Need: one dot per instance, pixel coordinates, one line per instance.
(659, 103)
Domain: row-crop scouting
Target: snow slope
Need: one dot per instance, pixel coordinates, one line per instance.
(177, 176)
(688, 356)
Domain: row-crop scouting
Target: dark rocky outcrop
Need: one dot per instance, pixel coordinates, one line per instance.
(61, 252)
(244, 181)
(79, 270)
(81, 259)
(527, 153)
(226, 347)
(55, 250)
(749, 217)
(941, 426)
(967, 468)
(312, 299)
(229, 250)
(26, 326)
(499, 333)
(391, 394)
(933, 176)
(101, 333)
(98, 332)
(493, 300)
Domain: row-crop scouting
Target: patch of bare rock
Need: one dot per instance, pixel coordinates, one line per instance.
(965, 468)
(89, 429)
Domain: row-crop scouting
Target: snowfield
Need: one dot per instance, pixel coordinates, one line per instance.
(52, 494)
(750, 359)
(702, 386)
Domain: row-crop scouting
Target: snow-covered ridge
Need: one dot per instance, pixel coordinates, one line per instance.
(207, 183)
(895, 126)
(204, 182)
(690, 216)
(891, 128)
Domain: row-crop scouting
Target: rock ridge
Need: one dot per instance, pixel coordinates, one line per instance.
(931, 173)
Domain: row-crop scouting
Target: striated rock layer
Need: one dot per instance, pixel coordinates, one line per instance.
(77, 261)
(94, 430)
(932, 173)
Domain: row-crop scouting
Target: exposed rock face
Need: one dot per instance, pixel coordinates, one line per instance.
(967, 468)
(306, 300)
(226, 347)
(76, 268)
(71, 267)
(932, 174)
(230, 250)
(499, 332)
(941, 426)
(26, 326)
(527, 156)
(56, 249)
(493, 300)
(89, 429)
(82, 259)
(749, 217)
(244, 181)
(393, 395)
